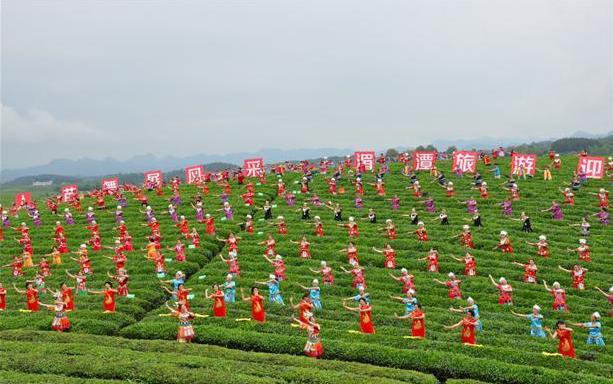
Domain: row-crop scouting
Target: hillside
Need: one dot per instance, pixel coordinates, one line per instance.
(506, 352)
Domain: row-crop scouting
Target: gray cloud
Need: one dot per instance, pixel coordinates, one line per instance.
(217, 76)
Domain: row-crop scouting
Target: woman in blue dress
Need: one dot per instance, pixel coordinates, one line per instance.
(536, 321)
(594, 330)
(229, 288)
(410, 301)
(274, 291)
(314, 293)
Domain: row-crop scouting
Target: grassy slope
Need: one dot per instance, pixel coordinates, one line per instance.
(446, 358)
(72, 358)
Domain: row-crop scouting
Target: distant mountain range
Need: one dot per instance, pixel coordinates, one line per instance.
(87, 167)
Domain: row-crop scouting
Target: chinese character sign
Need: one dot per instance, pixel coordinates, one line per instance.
(153, 178)
(424, 160)
(194, 174)
(22, 198)
(527, 161)
(365, 158)
(110, 185)
(253, 167)
(466, 161)
(69, 192)
(593, 167)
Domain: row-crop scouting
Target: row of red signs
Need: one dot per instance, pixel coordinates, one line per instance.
(466, 161)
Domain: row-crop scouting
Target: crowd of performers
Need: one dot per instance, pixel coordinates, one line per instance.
(224, 294)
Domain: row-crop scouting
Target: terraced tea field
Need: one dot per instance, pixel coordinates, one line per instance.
(506, 352)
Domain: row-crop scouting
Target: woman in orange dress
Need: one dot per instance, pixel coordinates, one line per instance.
(257, 305)
(109, 297)
(31, 296)
(468, 324)
(565, 335)
(364, 309)
(418, 318)
(219, 303)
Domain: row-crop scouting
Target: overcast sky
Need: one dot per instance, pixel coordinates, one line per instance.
(121, 78)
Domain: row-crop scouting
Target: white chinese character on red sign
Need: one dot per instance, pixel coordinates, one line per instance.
(466, 161)
(23, 198)
(110, 185)
(525, 161)
(194, 174)
(153, 178)
(366, 158)
(253, 167)
(424, 160)
(593, 167)
(69, 192)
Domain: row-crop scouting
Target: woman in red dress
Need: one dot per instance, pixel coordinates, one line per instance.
(31, 296)
(281, 225)
(257, 305)
(470, 265)
(468, 324)
(2, 298)
(577, 274)
(232, 261)
(359, 280)
(542, 246)
(505, 291)
(390, 255)
(418, 318)
(319, 227)
(565, 335)
(352, 252)
(530, 270)
(505, 243)
(559, 296)
(231, 241)
(270, 244)
(122, 280)
(406, 279)
(583, 250)
(432, 260)
(453, 284)
(352, 228)
(389, 229)
(67, 297)
(219, 304)
(326, 272)
(466, 237)
(421, 232)
(313, 346)
(16, 265)
(109, 297)
(305, 306)
(364, 309)
(305, 247)
(279, 264)
(194, 237)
